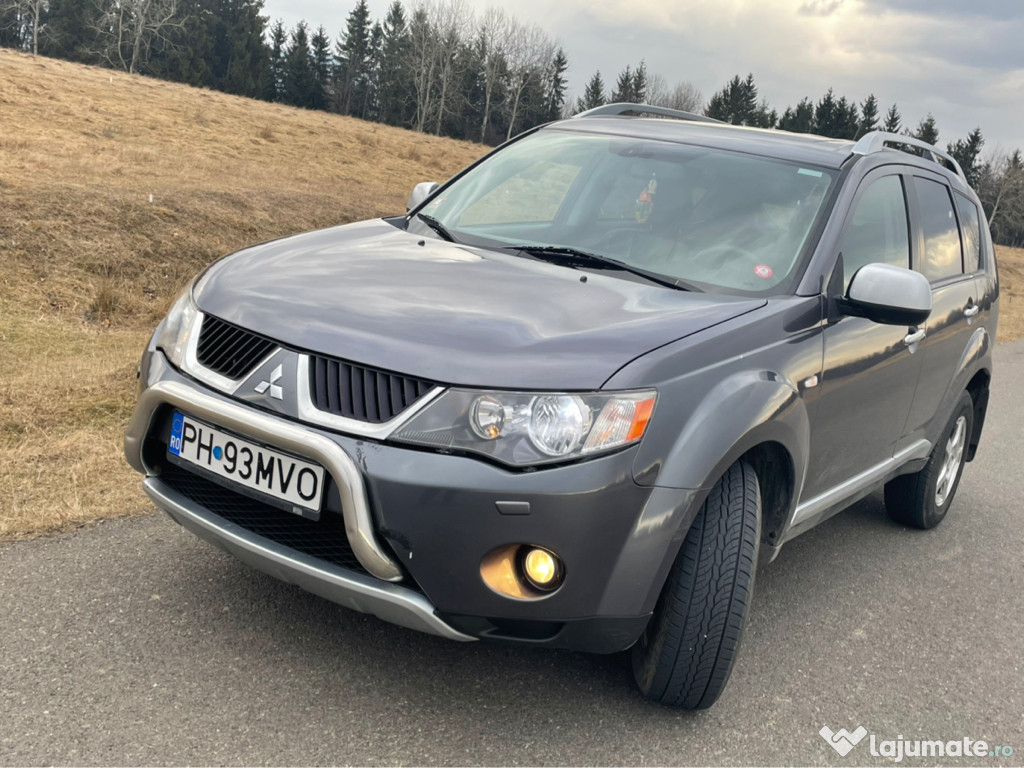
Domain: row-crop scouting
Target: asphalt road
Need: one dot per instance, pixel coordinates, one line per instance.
(133, 643)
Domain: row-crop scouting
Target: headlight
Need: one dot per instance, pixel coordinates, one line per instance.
(524, 428)
(177, 326)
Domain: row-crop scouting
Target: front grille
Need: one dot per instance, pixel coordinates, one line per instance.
(324, 539)
(360, 393)
(229, 350)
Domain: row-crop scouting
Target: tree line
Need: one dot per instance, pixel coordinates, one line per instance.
(438, 67)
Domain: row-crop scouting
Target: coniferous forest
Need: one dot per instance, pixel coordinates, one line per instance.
(438, 67)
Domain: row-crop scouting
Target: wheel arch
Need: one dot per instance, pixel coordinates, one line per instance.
(757, 417)
(978, 389)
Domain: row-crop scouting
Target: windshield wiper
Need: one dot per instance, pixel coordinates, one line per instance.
(437, 226)
(574, 257)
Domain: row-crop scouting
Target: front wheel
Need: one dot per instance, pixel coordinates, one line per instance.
(686, 655)
(923, 498)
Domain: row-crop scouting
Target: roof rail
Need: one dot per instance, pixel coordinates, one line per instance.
(876, 141)
(625, 108)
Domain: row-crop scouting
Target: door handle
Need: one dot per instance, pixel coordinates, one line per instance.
(916, 336)
(972, 310)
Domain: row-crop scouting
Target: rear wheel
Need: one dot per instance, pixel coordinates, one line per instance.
(922, 499)
(686, 655)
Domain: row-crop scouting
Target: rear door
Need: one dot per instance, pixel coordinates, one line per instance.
(941, 258)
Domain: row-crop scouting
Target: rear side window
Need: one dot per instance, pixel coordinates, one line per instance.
(877, 230)
(942, 256)
(970, 230)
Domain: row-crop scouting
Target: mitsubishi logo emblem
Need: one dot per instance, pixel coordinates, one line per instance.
(276, 391)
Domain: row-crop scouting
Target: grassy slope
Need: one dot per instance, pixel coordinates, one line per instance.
(1011, 291)
(88, 264)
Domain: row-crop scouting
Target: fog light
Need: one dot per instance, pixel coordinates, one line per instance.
(542, 568)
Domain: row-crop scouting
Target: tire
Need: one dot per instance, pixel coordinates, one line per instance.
(921, 500)
(687, 652)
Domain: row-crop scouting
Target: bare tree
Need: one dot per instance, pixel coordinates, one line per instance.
(530, 52)
(27, 16)
(683, 95)
(451, 22)
(422, 63)
(127, 29)
(1001, 189)
(492, 34)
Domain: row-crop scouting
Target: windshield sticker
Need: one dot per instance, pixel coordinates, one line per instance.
(763, 270)
(809, 172)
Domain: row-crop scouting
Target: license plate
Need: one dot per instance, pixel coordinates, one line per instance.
(300, 483)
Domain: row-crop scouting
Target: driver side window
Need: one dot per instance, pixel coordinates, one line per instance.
(877, 230)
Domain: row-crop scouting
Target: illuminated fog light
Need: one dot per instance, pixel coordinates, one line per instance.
(542, 569)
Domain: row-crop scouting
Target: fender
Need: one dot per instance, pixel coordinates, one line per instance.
(977, 356)
(742, 411)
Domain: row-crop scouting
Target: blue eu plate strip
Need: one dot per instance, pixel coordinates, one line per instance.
(176, 427)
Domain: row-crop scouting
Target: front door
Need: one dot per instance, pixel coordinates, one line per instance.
(869, 370)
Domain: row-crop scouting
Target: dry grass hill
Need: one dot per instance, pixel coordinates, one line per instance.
(89, 262)
(114, 190)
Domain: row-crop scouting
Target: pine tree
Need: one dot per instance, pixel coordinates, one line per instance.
(826, 120)
(745, 102)
(737, 103)
(237, 55)
(763, 116)
(718, 107)
(67, 31)
(273, 82)
(188, 54)
(799, 119)
(392, 81)
(927, 130)
(371, 105)
(556, 84)
(893, 120)
(299, 81)
(593, 95)
(967, 152)
(640, 83)
(847, 119)
(353, 55)
(320, 53)
(868, 116)
(623, 92)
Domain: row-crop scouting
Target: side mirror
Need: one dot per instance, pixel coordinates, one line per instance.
(887, 294)
(420, 192)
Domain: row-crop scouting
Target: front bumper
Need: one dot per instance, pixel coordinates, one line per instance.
(365, 594)
(420, 522)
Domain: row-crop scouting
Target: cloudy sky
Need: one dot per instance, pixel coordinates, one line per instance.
(961, 60)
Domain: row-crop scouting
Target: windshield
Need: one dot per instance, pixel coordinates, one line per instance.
(703, 216)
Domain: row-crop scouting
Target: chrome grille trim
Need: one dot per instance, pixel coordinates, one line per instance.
(309, 413)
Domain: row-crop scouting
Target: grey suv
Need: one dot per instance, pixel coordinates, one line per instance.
(577, 392)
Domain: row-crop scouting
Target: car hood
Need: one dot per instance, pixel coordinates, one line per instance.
(377, 295)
